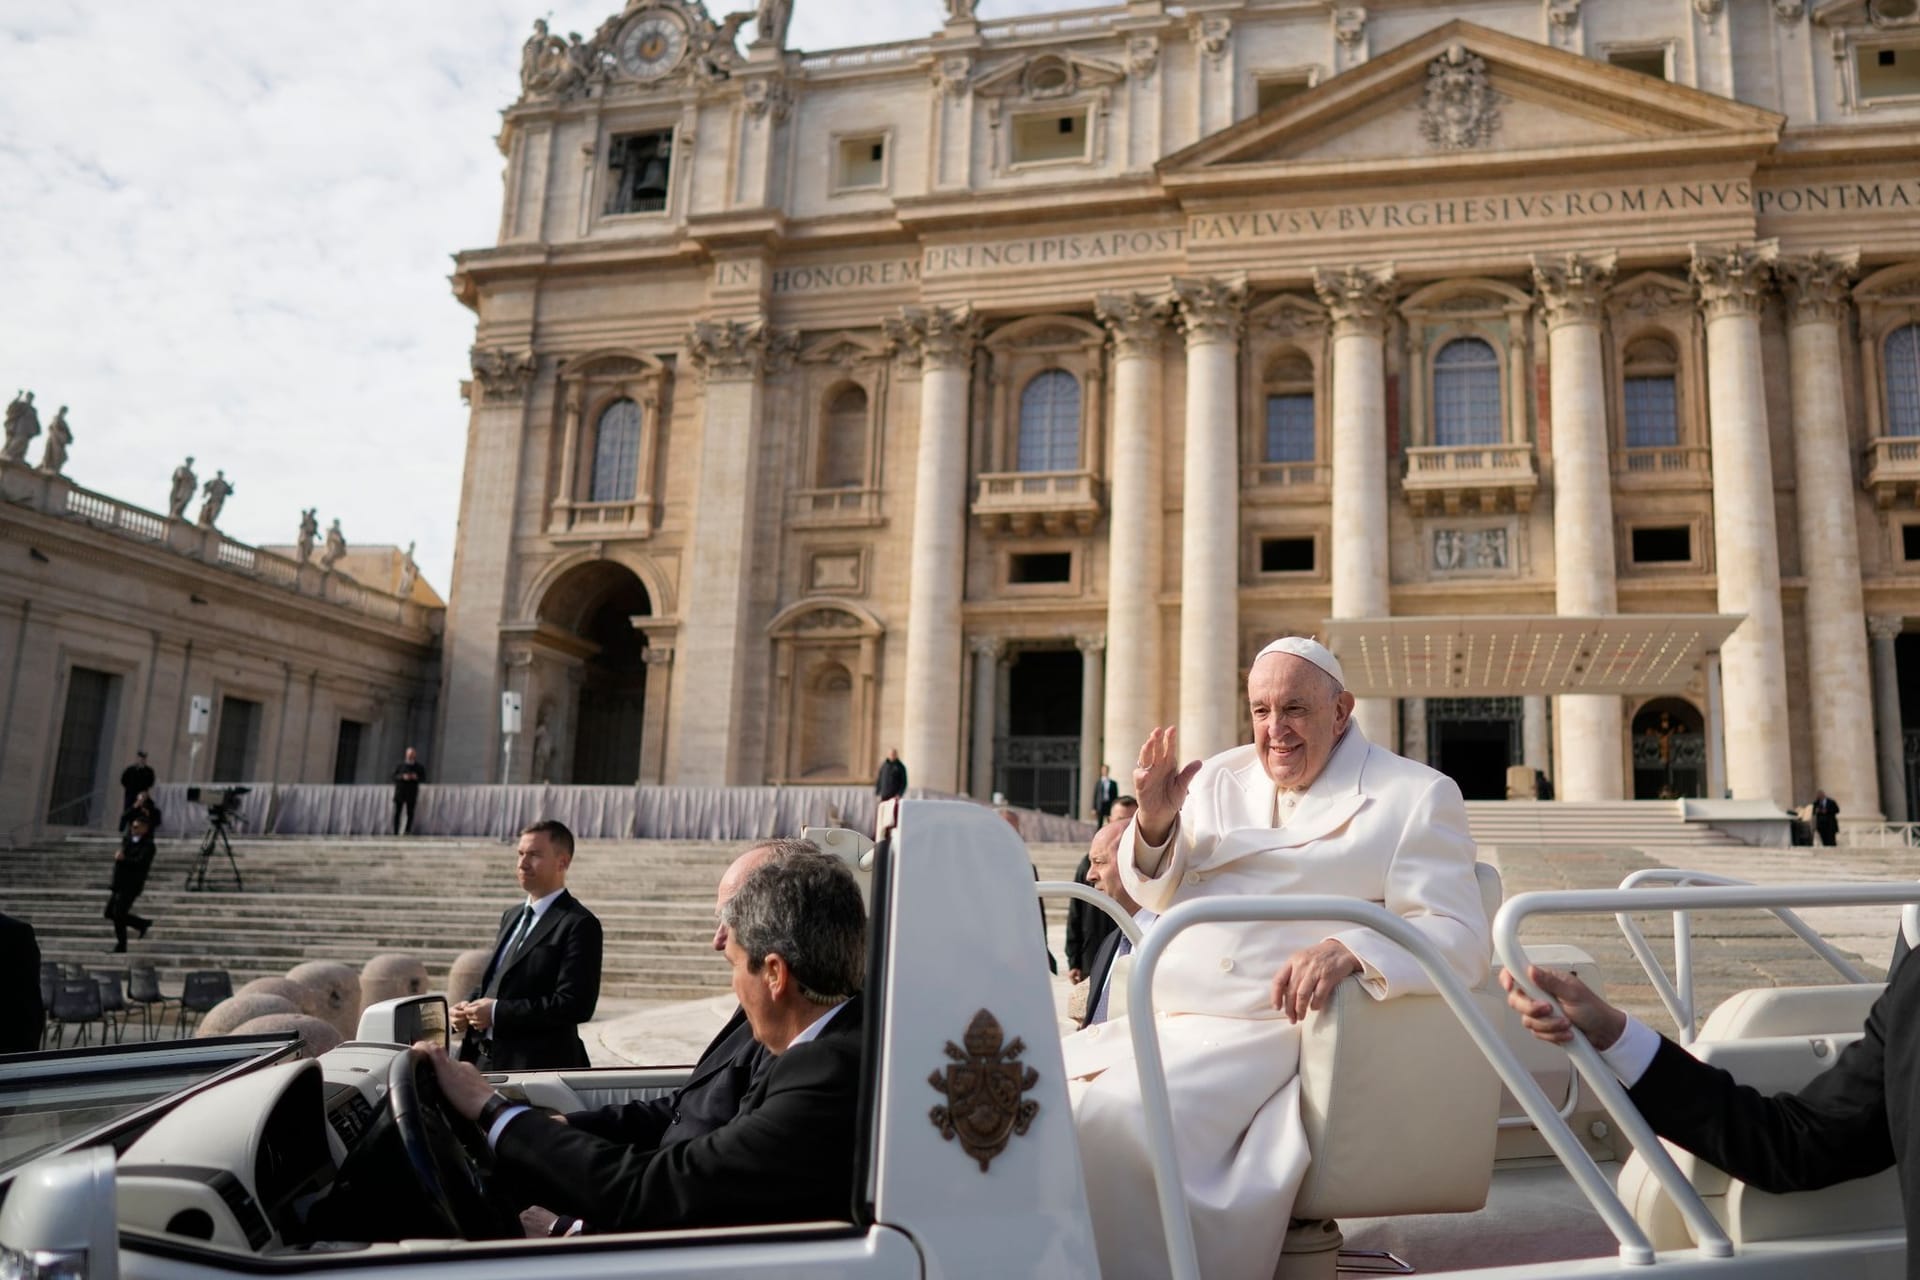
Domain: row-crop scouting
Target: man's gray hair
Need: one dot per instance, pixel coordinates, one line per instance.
(803, 906)
(787, 845)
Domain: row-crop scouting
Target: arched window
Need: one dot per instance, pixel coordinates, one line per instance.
(1650, 400)
(1903, 381)
(616, 452)
(1050, 422)
(1466, 394)
(1289, 425)
(843, 441)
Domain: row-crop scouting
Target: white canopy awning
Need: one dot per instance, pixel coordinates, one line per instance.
(1479, 657)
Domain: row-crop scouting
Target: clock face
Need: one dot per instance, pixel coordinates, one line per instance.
(653, 45)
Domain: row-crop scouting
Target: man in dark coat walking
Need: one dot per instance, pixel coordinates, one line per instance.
(407, 777)
(130, 867)
(135, 778)
(1826, 818)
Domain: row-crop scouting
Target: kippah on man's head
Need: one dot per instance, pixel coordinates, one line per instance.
(1312, 650)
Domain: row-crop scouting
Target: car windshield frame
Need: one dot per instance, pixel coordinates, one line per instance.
(44, 1096)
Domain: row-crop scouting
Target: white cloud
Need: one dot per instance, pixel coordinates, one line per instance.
(225, 231)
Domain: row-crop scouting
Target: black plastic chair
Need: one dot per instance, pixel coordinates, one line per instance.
(113, 1001)
(144, 993)
(205, 988)
(76, 1003)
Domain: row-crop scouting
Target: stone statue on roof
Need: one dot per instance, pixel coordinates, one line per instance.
(185, 483)
(23, 424)
(59, 436)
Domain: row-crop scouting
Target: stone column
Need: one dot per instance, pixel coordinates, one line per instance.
(1732, 282)
(716, 639)
(1209, 314)
(1842, 702)
(1572, 289)
(1536, 750)
(1358, 299)
(656, 716)
(1093, 679)
(1892, 754)
(943, 338)
(986, 680)
(1135, 498)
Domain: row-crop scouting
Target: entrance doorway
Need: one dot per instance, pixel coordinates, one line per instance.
(613, 691)
(1473, 740)
(1669, 751)
(80, 764)
(1039, 758)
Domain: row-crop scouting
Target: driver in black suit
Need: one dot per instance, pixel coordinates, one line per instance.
(797, 946)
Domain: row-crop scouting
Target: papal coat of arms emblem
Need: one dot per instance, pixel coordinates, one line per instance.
(1458, 107)
(984, 1088)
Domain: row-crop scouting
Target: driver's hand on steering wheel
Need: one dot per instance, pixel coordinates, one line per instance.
(465, 1088)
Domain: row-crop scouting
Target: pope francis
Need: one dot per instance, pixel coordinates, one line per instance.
(1309, 807)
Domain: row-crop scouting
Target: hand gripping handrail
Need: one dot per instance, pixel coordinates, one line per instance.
(1677, 995)
(1158, 1113)
(1599, 1078)
(1087, 893)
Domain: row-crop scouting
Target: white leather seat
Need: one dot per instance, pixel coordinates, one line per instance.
(1774, 1039)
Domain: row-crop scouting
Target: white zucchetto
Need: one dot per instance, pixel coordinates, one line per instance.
(1312, 650)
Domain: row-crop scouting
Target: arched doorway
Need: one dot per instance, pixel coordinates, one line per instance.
(605, 689)
(1669, 751)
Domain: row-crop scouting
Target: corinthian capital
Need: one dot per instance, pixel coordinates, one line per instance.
(1210, 309)
(938, 337)
(1732, 279)
(1573, 287)
(730, 350)
(1816, 285)
(1137, 321)
(501, 374)
(1356, 297)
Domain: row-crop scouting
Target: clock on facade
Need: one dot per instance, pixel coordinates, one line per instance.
(654, 44)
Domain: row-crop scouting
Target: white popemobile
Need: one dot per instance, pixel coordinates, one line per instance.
(232, 1158)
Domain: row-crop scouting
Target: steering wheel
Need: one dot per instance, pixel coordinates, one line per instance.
(451, 1171)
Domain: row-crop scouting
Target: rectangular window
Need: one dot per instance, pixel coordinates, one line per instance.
(862, 163)
(638, 168)
(1039, 567)
(346, 756)
(1290, 427)
(1054, 136)
(1663, 544)
(1286, 555)
(1888, 73)
(1648, 62)
(1653, 414)
(1270, 91)
(79, 797)
(238, 746)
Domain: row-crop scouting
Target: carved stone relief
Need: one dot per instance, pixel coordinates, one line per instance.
(1458, 108)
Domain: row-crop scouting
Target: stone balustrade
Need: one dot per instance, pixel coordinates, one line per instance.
(1893, 469)
(843, 507)
(1489, 477)
(1028, 502)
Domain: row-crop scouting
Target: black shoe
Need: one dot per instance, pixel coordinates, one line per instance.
(119, 946)
(143, 930)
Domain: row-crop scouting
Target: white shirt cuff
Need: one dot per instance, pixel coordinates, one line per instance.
(500, 1124)
(1631, 1055)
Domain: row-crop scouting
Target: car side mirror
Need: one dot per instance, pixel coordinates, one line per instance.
(58, 1220)
(404, 1020)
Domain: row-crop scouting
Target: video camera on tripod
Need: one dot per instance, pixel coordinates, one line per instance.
(223, 806)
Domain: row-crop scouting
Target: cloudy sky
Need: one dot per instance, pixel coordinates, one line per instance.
(225, 231)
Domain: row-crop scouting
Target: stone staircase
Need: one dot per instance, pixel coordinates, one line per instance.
(1566, 824)
(352, 899)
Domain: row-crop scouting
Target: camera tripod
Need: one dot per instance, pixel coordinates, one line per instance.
(215, 841)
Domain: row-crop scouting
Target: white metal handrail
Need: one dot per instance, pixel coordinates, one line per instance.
(1677, 995)
(1157, 1111)
(1600, 1079)
(1087, 893)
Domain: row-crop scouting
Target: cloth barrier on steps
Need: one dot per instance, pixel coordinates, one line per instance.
(591, 813)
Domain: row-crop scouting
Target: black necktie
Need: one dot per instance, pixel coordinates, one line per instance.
(511, 947)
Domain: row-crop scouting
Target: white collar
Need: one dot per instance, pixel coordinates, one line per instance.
(819, 1024)
(540, 905)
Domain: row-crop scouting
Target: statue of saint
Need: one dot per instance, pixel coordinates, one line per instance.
(23, 424)
(336, 546)
(217, 491)
(59, 436)
(409, 574)
(960, 10)
(531, 55)
(184, 485)
(309, 532)
(542, 749)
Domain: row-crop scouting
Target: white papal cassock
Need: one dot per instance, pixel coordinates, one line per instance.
(1373, 825)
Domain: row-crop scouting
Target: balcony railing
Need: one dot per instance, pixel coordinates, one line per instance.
(1484, 477)
(629, 518)
(1893, 469)
(1285, 481)
(1022, 503)
(835, 508)
(1664, 460)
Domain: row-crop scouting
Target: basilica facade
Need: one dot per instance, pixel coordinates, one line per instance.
(995, 395)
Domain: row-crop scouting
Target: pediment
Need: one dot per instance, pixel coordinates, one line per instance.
(1463, 96)
(1046, 76)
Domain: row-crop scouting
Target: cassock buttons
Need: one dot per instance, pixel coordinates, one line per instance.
(1192, 877)
(1226, 964)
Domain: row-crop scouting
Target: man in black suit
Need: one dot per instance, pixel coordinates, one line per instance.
(135, 778)
(1105, 792)
(1087, 925)
(728, 1068)
(407, 777)
(1853, 1119)
(797, 945)
(22, 1016)
(1105, 876)
(544, 978)
(1826, 818)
